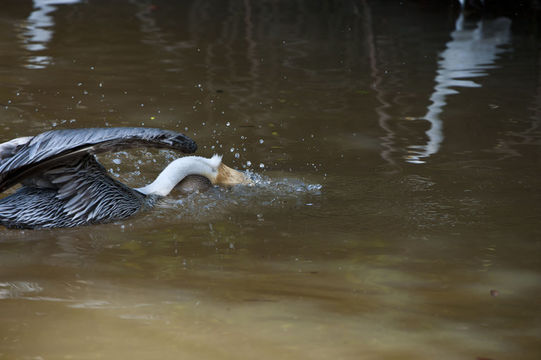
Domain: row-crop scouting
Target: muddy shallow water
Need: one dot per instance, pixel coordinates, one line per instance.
(396, 152)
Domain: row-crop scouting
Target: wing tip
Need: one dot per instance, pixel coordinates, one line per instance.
(185, 144)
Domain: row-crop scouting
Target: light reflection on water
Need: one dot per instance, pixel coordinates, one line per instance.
(468, 55)
(344, 248)
(40, 30)
(473, 49)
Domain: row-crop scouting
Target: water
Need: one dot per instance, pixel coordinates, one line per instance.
(396, 152)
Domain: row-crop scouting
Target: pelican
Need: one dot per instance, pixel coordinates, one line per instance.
(64, 185)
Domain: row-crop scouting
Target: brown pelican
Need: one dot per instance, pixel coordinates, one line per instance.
(64, 185)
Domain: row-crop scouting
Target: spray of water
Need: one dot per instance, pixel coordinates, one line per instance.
(265, 193)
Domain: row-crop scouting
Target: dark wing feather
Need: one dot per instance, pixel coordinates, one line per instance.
(78, 194)
(10, 148)
(89, 195)
(46, 150)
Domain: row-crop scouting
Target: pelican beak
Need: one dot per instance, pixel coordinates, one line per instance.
(229, 177)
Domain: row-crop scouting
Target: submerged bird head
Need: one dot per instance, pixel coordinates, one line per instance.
(227, 176)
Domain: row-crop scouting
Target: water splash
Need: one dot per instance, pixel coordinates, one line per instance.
(265, 193)
(271, 190)
(283, 185)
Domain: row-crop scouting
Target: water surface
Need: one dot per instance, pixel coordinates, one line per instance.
(396, 148)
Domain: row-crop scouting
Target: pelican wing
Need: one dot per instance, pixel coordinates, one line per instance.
(33, 155)
(10, 148)
(70, 195)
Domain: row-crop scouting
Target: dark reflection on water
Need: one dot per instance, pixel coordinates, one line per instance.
(396, 152)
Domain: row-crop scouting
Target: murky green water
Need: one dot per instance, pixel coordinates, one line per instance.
(397, 149)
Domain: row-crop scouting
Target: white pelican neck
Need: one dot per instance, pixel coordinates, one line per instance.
(179, 169)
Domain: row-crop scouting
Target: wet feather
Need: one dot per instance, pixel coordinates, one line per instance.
(63, 183)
